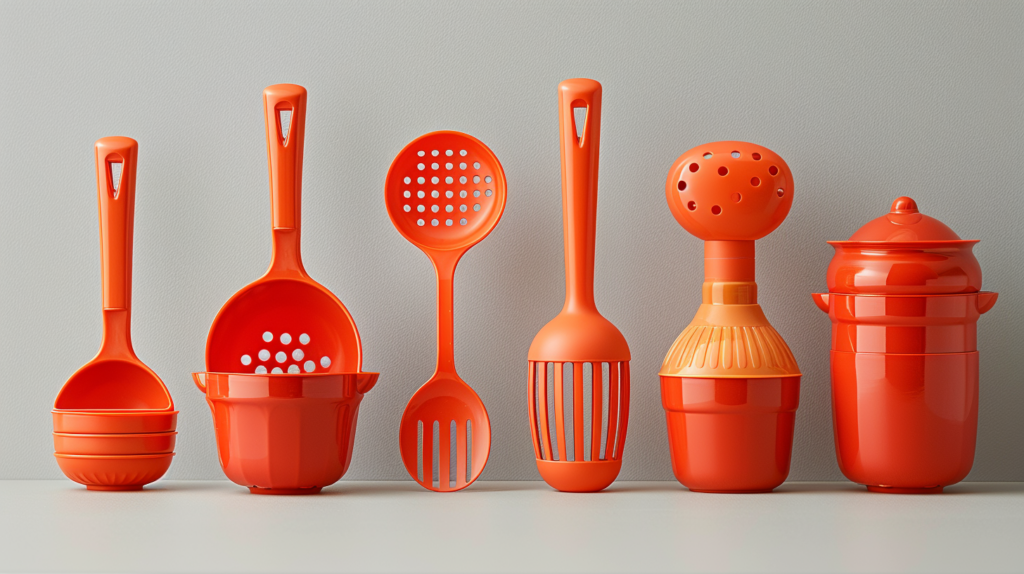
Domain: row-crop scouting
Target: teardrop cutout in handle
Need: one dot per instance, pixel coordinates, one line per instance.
(285, 102)
(580, 146)
(117, 217)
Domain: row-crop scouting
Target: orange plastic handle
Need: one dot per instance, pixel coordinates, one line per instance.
(579, 187)
(117, 218)
(284, 152)
(444, 266)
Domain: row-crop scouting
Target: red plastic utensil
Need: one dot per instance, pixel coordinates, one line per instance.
(113, 421)
(579, 337)
(445, 192)
(904, 301)
(115, 378)
(285, 434)
(284, 321)
(730, 385)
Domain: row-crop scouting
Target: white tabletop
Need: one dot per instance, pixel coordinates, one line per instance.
(508, 527)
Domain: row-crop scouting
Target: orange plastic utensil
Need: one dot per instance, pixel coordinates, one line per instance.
(115, 378)
(579, 338)
(284, 321)
(445, 192)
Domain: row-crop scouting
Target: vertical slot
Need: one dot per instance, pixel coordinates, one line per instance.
(607, 427)
(567, 412)
(452, 471)
(284, 124)
(579, 117)
(419, 451)
(588, 401)
(115, 169)
(435, 478)
(469, 450)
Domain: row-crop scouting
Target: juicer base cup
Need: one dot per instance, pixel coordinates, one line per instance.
(730, 435)
(581, 476)
(900, 490)
(114, 488)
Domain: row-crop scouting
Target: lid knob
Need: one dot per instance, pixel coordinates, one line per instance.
(904, 205)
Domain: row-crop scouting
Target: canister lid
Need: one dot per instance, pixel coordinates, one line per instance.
(904, 252)
(905, 223)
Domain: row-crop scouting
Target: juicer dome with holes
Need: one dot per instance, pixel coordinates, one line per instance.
(904, 301)
(730, 385)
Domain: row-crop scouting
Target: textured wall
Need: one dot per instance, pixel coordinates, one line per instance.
(865, 101)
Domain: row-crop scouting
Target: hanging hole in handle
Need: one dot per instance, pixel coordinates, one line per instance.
(579, 120)
(284, 122)
(115, 167)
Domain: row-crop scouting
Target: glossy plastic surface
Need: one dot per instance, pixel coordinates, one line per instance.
(115, 378)
(730, 435)
(445, 192)
(114, 422)
(905, 323)
(730, 384)
(905, 422)
(285, 434)
(904, 223)
(284, 321)
(114, 444)
(123, 472)
(579, 337)
(904, 253)
(729, 191)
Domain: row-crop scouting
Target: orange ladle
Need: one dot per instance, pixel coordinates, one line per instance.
(284, 322)
(445, 192)
(115, 379)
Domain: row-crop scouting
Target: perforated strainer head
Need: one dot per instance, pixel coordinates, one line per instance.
(445, 190)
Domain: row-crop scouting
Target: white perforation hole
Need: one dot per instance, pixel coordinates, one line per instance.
(281, 357)
(297, 355)
(463, 221)
(261, 370)
(246, 360)
(294, 369)
(304, 338)
(268, 336)
(264, 354)
(325, 362)
(276, 371)
(286, 339)
(309, 366)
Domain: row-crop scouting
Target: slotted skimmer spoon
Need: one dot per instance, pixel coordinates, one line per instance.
(579, 339)
(445, 192)
(115, 379)
(284, 322)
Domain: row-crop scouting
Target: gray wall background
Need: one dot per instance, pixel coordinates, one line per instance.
(866, 101)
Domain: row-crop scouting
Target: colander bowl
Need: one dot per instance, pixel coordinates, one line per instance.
(285, 433)
(114, 472)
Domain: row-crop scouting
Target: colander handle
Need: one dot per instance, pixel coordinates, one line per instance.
(116, 193)
(580, 150)
(285, 107)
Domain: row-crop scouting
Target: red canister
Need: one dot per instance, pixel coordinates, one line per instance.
(904, 300)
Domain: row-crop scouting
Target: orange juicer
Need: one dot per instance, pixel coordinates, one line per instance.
(579, 339)
(730, 385)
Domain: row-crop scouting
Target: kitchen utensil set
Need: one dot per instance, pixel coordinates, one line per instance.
(284, 377)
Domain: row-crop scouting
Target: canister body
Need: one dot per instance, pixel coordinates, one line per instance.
(905, 388)
(730, 434)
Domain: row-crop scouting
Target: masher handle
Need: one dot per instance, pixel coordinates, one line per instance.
(116, 195)
(579, 186)
(284, 151)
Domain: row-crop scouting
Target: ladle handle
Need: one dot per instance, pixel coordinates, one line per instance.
(580, 148)
(285, 107)
(115, 185)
